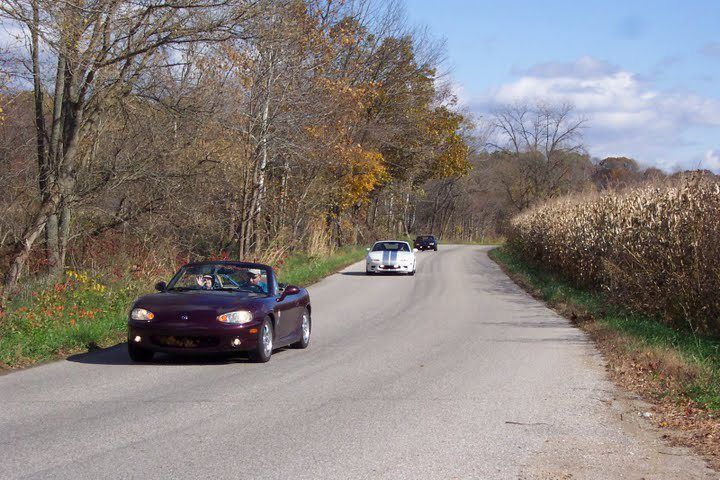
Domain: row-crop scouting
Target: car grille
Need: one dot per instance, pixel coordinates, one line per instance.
(175, 341)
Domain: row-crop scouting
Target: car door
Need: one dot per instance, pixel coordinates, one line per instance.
(288, 311)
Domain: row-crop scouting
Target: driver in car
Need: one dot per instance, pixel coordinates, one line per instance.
(256, 280)
(205, 282)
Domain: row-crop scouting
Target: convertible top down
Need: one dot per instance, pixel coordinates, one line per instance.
(220, 307)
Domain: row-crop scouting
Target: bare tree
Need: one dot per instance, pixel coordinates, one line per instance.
(100, 49)
(540, 147)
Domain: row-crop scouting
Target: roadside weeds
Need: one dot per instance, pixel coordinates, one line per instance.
(677, 372)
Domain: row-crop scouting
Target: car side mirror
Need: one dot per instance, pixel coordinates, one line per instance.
(289, 290)
(415, 250)
(161, 286)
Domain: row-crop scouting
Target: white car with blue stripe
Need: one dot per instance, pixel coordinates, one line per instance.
(391, 256)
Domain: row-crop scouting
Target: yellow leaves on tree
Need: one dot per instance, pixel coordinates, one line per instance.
(361, 172)
(452, 154)
(351, 100)
(453, 160)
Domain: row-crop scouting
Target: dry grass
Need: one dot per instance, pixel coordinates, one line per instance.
(661, 375)
(654, 248)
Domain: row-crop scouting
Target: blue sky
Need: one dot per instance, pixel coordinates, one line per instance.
(645, 73)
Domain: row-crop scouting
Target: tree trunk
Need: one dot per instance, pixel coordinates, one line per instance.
(244, 223)
(52, 244)
(406, 215)
(262, 163)
(64, 233)
(24, 246)
(54, 156)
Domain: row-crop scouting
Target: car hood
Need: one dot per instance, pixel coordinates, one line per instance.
(196, 305)
(390, 256)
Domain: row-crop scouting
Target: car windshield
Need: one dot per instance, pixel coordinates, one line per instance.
(391, 247)
(220, 277)
(425, 238)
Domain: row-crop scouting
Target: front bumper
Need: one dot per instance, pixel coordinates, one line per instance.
(169, 339)
(380, 268)
(425, 247)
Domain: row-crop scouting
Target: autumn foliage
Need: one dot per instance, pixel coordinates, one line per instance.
(249, 128)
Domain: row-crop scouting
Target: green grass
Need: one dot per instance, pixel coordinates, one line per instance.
(302, 269)
(51, 321)
(642, 331)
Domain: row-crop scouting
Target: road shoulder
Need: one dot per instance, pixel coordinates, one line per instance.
(639, 415)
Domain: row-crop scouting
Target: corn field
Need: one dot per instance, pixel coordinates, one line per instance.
(654, 249)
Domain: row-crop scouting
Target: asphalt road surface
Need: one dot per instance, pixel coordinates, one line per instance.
(453, 373)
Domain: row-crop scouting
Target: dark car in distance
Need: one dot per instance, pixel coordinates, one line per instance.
(220, 307)
(425, 242)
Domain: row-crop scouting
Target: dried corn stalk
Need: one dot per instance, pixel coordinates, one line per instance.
(655, 248)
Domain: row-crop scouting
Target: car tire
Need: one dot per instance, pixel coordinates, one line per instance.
(368, 272)
(139, 354)
(263, 350)
(435, 249)
(306, 327)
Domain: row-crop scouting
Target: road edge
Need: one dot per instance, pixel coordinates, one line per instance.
(667, 420)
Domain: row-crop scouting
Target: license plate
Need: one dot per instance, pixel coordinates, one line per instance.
(179, 342)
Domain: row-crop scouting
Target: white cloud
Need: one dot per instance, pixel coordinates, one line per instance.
(459, 92)
(12, 34)
(712, 160)
(627, 116)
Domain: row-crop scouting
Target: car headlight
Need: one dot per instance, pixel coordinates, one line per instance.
(141, 314)
(236, 318)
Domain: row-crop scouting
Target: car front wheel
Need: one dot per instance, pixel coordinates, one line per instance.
(263, 350)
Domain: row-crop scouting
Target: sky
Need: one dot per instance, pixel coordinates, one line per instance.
(646, 74)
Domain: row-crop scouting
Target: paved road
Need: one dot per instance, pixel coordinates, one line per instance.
(453, 373)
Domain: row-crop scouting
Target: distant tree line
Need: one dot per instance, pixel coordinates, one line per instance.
(525, 154)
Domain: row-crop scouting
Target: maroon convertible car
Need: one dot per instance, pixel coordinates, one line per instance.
(213, 307)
